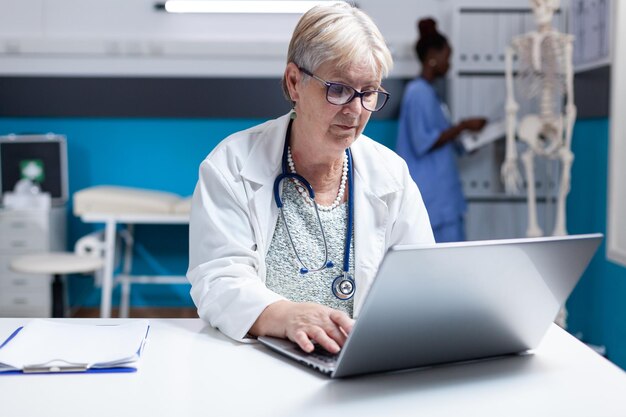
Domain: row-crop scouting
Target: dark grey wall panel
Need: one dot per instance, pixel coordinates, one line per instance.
(209, 97)
(592, 92)
(140, 97)
(154, 97)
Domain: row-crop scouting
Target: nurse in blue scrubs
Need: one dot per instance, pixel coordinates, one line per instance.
(426, 137)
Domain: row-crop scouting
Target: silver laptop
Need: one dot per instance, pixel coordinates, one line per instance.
(456, 302)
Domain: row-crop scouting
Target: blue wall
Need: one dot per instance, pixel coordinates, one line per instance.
(165, 154)
(598, 305)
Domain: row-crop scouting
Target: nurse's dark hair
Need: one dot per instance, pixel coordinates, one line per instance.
(430, 38)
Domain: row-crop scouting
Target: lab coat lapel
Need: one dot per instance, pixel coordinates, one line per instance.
(369, 238)
(259, 172)
(372, 182)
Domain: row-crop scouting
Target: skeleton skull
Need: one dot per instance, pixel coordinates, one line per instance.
(544, 10)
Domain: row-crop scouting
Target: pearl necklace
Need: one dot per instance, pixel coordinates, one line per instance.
(304, 192)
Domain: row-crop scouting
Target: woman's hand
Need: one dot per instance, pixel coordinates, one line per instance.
(303, 322)
(474, 124)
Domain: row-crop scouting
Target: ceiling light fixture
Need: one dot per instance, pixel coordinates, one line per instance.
(236, 6)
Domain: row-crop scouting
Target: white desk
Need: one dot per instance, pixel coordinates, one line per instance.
(111, 221)
(190, 369)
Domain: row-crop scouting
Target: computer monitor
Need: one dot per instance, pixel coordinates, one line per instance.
(42, 157)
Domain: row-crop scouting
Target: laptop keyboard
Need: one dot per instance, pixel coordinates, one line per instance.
(323, 355)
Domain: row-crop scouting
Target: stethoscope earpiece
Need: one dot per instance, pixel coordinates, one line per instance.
(329, 264)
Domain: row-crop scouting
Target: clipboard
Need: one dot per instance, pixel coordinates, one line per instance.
(73, 348)
(492, 132)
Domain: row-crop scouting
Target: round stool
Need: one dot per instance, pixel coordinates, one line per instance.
(56, 264)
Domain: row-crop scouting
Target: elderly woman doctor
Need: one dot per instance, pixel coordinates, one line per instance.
(291, 219)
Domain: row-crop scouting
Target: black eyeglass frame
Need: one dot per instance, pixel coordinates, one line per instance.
(355, 92)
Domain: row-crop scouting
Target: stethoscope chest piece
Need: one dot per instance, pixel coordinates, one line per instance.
(344, 287)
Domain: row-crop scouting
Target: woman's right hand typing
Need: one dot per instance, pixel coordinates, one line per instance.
(303, 323)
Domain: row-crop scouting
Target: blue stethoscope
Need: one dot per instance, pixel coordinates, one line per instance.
(343, 287)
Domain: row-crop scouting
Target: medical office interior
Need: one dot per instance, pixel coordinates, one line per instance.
(112, 105)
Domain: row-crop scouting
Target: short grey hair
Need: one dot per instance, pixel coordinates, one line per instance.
(340, 33)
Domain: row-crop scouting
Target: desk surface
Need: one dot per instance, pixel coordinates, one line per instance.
(190, 369)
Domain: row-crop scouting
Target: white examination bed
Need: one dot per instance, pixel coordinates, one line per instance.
(112, 205)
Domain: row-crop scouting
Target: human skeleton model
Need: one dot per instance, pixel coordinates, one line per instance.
(545, 74)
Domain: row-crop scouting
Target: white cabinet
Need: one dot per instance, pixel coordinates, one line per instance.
(616, 222)
(23, 232)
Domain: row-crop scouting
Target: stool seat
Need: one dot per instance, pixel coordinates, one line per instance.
(55, 263)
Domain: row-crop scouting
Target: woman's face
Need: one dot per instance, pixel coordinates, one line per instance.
(442, 59)
(330, 128)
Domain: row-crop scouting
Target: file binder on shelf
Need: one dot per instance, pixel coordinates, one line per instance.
(47, 346)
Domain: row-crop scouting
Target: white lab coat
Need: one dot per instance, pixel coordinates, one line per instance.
(233, 216)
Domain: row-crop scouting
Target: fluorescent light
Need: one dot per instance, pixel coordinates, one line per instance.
(236, 6)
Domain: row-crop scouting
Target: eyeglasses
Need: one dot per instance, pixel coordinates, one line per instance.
(341, 94)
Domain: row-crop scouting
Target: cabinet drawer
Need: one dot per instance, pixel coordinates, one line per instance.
(23, 242)
(10, 280)
(23, 231)
(23, 301)
(40, 311)
(24, 283)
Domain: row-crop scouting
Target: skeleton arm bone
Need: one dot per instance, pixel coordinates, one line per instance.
(510, 171)
(537, 38)
(570, 108)
(565, 153)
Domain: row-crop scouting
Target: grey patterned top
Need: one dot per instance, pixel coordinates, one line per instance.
(283, 268)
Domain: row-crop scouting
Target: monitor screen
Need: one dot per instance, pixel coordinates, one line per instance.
(41, 158)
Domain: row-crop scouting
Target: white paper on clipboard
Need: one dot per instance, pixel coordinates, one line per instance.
(492, 132)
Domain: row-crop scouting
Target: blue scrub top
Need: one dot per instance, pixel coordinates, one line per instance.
(422, 120)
